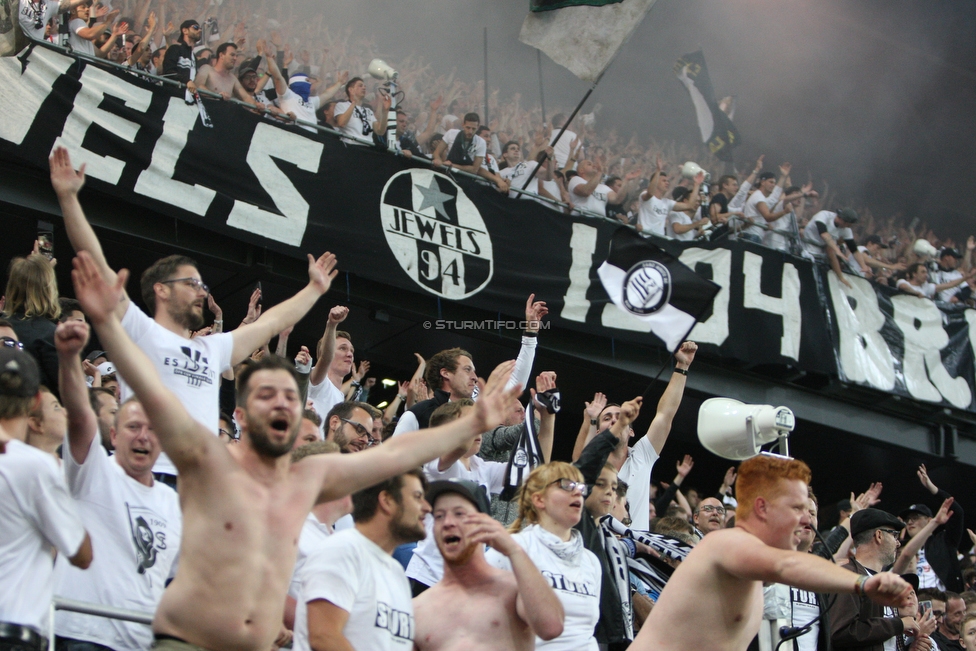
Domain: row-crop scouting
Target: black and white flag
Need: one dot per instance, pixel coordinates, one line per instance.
(652, 286)
(526, 455)
(717, 130)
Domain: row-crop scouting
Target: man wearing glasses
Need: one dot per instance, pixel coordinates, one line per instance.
(8, 337)
(174, 295)
(350, 425)
(856, 622)
(710, 515)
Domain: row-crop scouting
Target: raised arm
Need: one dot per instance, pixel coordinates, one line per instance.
(252, 336)
(903, 563)
(325, 350)
(69, 339)
(534, 311)
(545, 381)
(347, 473)
(668, 405)
(182, 438)
(67, 184)
(537, 604)
(329, 92)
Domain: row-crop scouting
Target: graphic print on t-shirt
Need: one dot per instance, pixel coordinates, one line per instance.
(148, 535)
(397, 622)
(193, 366)
(561, 583)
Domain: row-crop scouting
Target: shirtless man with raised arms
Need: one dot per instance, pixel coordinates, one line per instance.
(244, 505)
(477, 606)
(724, 574)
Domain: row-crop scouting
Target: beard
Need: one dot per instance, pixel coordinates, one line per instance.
(463, 557)
(406, 532)
(261, 442)
(186, 317)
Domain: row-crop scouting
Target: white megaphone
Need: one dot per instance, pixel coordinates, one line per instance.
(735, 430)
(925, 248)
(691, 169)
(380, 69)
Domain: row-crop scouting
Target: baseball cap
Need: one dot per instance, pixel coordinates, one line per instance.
(950, 251)
(848, 215)
(875, 239)
(916, 508)
(250, 65)
(106, 369)
(866, 519)
(469, 490)
(17, 363)
(911, 579)
(95, 354)
(844, 505)
(765, 176)
(186, 24)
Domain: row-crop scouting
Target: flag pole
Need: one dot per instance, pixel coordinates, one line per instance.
(561, 131)
(486, 77)
(542, 94)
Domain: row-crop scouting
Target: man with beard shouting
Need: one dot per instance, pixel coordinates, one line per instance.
(244, 505)
(174, 293)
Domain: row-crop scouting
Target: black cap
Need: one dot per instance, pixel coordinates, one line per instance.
(16, 362)
(849, 215)
(765, 176)
(916, 508)
(875, 239)
(867, 519)
(251, 65)
(186, 24)
(844, 505)
(95, 354)
(912, 580)
(469, 490)
(950, 251)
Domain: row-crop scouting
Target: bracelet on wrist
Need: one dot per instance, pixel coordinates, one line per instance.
(859, 585)
(218, 321)
(682, 371)
(401, 397)
(529, 333)
(593, 422)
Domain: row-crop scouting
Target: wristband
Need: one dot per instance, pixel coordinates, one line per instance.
(356, 384)
(220, 321)
(526, 333)
(859, 585)
(683, 371)
(401, 396)
(593, 421)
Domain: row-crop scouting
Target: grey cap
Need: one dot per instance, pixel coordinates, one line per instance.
(848, 215)
(16, 363)
(469, 490)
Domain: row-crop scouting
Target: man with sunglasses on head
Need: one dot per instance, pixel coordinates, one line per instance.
(174, 295)
(179, 63)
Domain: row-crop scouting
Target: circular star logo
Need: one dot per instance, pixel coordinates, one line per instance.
(436, 233)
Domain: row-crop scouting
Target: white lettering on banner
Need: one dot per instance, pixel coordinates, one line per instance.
(716, 329)
(921, 323)
(583, 246)
(787, 307)
(21, 95)
(864, 354)
(289, 227)
(95, 85)
(157, 181)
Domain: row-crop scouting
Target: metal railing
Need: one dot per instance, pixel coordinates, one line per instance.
(98, 610)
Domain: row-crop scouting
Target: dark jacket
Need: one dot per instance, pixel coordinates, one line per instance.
(859, 623)
(423, 410)
(37, 335)
(178, 62)
(942, 546)
(610, 629)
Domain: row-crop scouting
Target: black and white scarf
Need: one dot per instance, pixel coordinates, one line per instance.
(618, 553)
(526, 455)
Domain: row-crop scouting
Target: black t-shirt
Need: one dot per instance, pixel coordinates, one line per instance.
(721, 201)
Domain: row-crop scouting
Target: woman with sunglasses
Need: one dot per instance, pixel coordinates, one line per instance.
(551, 503)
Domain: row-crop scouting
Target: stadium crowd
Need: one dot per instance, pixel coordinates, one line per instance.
(306, 516)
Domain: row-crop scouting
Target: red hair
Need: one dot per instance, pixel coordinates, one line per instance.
(762, 476)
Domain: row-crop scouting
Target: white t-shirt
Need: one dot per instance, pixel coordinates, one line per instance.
(360, 124)
(926, 288)
(427, 564)
(77, 43)
(653, 214)
(37, 516)
(34, 13)
(784, 223)
(476, 147)
(596, 202)
(803, 610)
(352, 572)
(752, 217)
(636, 471)
(516, 176)
(560, 150)
(292, 102)
(190, 368)
(135, 530)
(576, 581)
(813, 243)
(947, 276)
(927, 578)
(680, 217)
(324, 396)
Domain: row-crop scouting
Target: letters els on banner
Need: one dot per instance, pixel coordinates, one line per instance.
(400, 223)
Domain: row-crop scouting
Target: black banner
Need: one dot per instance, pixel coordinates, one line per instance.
(716, 127)
(398, 222)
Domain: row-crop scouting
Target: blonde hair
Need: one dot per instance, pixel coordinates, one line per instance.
(763, 476)
(536, 484)
(32, 288)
